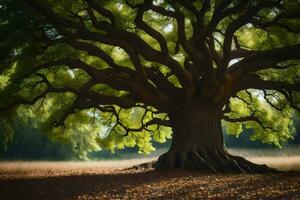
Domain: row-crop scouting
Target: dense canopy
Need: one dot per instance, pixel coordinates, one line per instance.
(115, 73)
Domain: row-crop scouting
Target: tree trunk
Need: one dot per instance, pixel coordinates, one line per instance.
(198, 143)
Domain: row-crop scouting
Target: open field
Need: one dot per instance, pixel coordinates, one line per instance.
(32, 169)
(109, 180)
(19, 169)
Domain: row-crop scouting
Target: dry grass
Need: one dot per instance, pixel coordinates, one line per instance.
(291, 163)
(20, 169)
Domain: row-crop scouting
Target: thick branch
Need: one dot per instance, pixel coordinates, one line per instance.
(264, 59)
(179, 17)
(255, 82)
(148, 29)
(101, 10)
(238, 23)
(96, 51)
(246, 119)
(85, 97)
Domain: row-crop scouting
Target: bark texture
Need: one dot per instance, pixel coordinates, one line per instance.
(198, 144)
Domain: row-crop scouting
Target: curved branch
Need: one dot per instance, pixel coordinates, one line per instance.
(101, 10)
(98, 52)
(144, 126)
(218, 15)
(255, 82)
(161, 82)
(238, 23)
(273, 95)
(113, 78)
(293, 14)
(246, 119)
(264, 59)
(115, 37)
(85, 98)
(179, 17)
(149, 30)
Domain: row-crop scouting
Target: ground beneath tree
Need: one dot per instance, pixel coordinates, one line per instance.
(71, 180)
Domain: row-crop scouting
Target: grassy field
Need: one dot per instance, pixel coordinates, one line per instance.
(111, 180)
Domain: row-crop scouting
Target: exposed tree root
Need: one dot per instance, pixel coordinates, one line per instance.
(210, 161)
(143, 166)
(218, 161)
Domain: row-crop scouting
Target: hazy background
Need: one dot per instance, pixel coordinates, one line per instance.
(29, 143)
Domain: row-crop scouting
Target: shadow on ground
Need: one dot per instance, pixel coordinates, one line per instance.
(154, 185)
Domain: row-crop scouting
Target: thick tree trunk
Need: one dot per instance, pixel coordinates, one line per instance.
(198, 143)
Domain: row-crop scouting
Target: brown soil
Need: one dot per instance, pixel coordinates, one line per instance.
(91, 182)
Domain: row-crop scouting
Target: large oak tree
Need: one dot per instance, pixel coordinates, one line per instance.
(135, 67)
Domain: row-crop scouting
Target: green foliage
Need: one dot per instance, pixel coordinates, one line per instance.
(25, 48)
(270, 125)
(115, 136)
(27, 142)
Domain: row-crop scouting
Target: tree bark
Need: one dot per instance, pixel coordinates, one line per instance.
(198, 143)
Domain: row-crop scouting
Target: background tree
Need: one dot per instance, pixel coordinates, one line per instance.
(130, 71)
